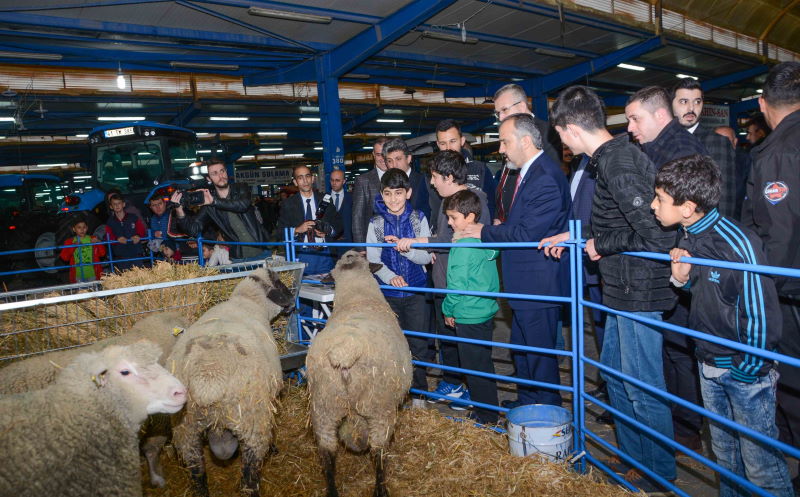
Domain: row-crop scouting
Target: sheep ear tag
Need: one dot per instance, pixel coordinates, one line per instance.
(177, 331)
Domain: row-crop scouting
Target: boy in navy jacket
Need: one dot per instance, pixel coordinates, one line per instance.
(740, 306)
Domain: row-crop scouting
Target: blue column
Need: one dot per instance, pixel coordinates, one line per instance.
(331, 119)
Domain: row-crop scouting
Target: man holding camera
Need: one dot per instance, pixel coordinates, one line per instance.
(229, 206)
(313, 220)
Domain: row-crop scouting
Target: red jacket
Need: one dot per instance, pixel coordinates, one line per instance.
(98, 251)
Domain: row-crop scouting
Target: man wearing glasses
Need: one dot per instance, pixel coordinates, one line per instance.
(367, 186)
(509, 100)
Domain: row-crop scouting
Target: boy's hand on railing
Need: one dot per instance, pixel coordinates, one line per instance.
(548, 244)
(94, 239)
(398, 281)
(122, 240)
(591, 251)
(680, 270)
(135, 239)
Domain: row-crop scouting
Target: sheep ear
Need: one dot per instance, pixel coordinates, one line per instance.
(374, 267)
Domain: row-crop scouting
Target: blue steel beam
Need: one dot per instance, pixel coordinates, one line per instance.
(713, 84)
(187, 114)
(361, 120)
(354, 51)
(331, 120)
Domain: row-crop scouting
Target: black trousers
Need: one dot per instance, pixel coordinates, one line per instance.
(479, 358)
(412, 315)
(788, 408)
(680, 372)
(448, 350)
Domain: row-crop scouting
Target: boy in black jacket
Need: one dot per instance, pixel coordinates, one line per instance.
(740, 306)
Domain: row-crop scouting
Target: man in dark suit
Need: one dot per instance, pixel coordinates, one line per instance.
(367, 186)
(397, 155)
(508, 100)
(540, 208)
(343, 202)
(299, 212)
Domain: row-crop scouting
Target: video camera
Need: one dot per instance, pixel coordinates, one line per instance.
(191, 195)
(319, 224)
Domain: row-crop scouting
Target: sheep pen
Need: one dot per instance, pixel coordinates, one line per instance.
(431, 456)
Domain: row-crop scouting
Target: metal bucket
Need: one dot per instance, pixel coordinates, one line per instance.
(540, 429)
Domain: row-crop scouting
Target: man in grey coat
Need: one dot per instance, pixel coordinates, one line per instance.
(367, 186)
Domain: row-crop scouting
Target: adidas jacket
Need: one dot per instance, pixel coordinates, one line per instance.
(737, 305)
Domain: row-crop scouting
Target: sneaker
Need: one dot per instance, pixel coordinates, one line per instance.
(445, 388)
(461, 394)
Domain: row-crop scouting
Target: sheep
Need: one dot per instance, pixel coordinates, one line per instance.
(359, 371)
(78, 436)
(229, 361)
(40, 371)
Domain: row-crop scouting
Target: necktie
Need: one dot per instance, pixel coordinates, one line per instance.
(309, 215)
(337, 202)
(516, 188)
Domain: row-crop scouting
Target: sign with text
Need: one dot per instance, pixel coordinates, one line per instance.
(265, 176)
(715, 115)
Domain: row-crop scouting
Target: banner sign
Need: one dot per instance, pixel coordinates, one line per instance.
(265, 176)
(715, 115)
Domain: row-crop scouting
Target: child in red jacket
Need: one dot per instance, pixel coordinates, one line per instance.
(82, 256)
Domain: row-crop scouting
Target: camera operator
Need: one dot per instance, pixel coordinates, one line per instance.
(300, 212)
(229, 207)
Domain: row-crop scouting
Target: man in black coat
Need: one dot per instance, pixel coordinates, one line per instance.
(229, 206)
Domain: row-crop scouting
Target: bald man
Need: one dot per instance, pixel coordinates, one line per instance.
(343, 201)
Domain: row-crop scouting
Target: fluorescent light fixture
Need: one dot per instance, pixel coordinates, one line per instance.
(437, 82)
(289, 15)
(274, 149)
(219, 150)
(390, 120)
(203, 65)
(267, 167)
(204, 151)
(399, 133)
(310, 119)
(366, 148)
(203, 134)
(759, 91)
(143, 153)
(353, 75)
(318, 148)
(364, 169)
(31, 55)
(684, 76)
(183, 160)
(461, 38)
(228, 118)
(122, 178)
(59, 164)
(554, 52)
(492, 134)
(81, 177)
(7, 119)
(81, 136)
(631, 67)
(272, 133)
(292, 155)
(309, 108)
(247, 157)
(121, 118)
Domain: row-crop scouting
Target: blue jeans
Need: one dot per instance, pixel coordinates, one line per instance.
(753, 406)
(634, 348)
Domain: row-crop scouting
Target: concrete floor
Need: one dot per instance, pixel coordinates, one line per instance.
(693, 478)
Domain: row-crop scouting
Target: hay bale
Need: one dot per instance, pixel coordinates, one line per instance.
(431, 456)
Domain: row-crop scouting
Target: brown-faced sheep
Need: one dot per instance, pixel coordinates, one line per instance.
(229, 361)
(79, 436)
(359, 371)
(40, 371)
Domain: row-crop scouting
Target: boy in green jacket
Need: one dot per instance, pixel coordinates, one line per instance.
(472, 269)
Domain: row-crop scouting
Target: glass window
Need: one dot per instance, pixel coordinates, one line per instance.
(182, 155)
(131, 167)
(46, 195)
(11, 198)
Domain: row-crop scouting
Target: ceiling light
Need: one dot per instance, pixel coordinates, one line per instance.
(272, 133)
(318, 148)
(120, 78)
(60, 164)
(203, 134)
(121, 118)
(292, 155)
(31, 55)
(288, 15)
(7, 119)
(554, 53)
(204, 151)
(759, 91)
(437, 82)
(227, 118)
(310, 119)
(81, 177)
(202, 65)
(247, 157)
(366, 147)
(399, 133)
(631, 67)
(684, 76)
(81, 136)
(382, 120)
(437, 35)
(353, 75)
(278, 149)
(267, 167)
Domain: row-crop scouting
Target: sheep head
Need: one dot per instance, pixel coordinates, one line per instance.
(275, 290)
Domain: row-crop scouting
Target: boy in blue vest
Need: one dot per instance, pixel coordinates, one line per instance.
(127, 229)
(740, 306)
(395, 219)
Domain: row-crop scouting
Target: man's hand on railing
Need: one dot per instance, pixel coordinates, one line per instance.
(591, 252)
(548, 244)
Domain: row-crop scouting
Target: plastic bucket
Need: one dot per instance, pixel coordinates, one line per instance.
(540, 429)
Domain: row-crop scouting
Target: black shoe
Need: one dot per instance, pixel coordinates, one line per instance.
(605, 418)
(510, 404)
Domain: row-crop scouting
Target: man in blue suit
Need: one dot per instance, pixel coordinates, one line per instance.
(343, 202)
(540, 208)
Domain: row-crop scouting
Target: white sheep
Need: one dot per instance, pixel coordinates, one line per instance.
(359, 371)
(37, 372)
(79, 436)
(229, 361)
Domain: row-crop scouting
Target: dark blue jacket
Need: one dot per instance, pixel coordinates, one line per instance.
(541, 208)
(582, 210)
(346, 214)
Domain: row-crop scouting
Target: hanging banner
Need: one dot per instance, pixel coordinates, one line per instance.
(265, 176)
(715, 115)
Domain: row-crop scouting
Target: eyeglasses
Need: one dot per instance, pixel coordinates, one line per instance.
(505, 109)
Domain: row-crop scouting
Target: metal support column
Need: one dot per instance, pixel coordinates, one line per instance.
(331, 120)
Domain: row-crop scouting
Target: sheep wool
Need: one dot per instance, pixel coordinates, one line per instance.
(359, 371)
(78, 436)
(230, 364)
